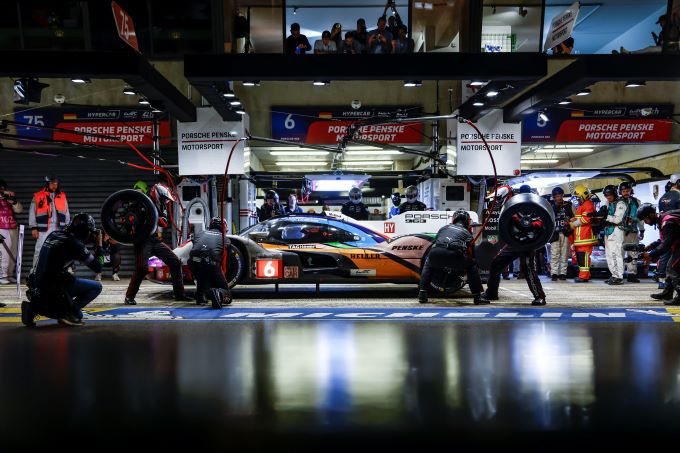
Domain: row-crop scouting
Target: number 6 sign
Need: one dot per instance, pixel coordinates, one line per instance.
(268, 269)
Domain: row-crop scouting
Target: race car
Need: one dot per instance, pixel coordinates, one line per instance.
(309, 248)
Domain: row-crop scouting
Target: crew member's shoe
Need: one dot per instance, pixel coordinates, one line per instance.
(98, 277)
(609, 281)
(581, 280)
(27, 314)
(422, 296)
(553, 277)
(2, 305)
(70, 320)
(538, 301)
(116, 278)
(4, 281)
(489, 296)
(480, 299)
(666, 294)
(130, 301)
(632, 279)
(562, 277)
(661, 285)
(616, 281)
(675, 301)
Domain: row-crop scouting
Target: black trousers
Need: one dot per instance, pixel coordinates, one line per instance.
(155, 247)
(527, 264)
(208, 276)
(440, 258)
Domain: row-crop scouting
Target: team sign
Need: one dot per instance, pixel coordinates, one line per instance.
(91, 125)
(329, 125)
(593, 123)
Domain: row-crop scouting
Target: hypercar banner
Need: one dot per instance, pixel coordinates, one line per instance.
(328, 125)
(594, 123)
(122, 124)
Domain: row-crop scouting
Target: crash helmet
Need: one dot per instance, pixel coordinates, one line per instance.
(624, 185)
(669, 201)
(669, 186)
(525, 188)
(81, 226)
(502, 191)
(216, 224)
(675, 179)
(557, 191)
(645, 210)
(582, 192)
(463, 217)
(610, 190)
(355, 195)
(52, 178)
(161, 193)
(595, 199)
(141, 186)
(396, 198)
(411, 194)
(271, 195)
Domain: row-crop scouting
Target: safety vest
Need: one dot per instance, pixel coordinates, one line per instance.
(583, 234)
(7, 220)
(609, 229)
(43, 209)
(629, 224)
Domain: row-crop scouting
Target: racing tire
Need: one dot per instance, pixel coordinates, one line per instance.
(129, 216)
(526, 223)
(236, 267)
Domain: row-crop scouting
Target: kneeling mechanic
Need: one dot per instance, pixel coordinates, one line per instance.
(452, 249)
(205, 261)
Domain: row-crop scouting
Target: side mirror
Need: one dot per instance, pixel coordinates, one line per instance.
(258, 236)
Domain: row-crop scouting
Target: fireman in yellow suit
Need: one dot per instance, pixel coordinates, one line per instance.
(583, 238)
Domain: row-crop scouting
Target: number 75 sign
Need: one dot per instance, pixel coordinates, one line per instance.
(125, 26)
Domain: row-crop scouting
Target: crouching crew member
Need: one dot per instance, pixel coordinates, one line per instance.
(355, 208)
(559, 243)
(412, 203)
(584, 239)
(452, 249)
(208, 251)
(55, 293)
(527, 265)
(669, 226)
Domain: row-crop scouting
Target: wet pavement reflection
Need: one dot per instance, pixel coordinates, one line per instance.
(261, 383)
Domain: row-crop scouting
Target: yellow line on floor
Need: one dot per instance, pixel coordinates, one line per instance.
(674, 311)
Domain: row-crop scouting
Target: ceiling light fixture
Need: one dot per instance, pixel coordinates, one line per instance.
(539, 161)
(229, 93)
(491, 93)
(367, 162)
(301, 164)
(251, 83)
(299, 153)
(321, 83)
(635, 83)
(80, 80)
(478, 104)
(372, 153)
(477, 83)
(144, 101)
(413, 83)
(565, 102)
(584, 92)
(129, 91)
(235, 102)
(564, 150)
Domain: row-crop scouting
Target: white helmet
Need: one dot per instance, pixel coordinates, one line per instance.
(355, 195)
(411, 194)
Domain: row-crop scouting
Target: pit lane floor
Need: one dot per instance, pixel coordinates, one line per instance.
(293, 383)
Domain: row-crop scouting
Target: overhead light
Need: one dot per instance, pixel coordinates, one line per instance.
(297, 163)
(477, 83)
(539, 161)
(235, 102)
(413, 83)
(362, 148)
(80, 80)
(478, 104)
(129, 91)
(563, 150)
(240, 111)
(373, 153)
(367, 162)
(144, 101)
(584, 92)
(156, 109)
(321, 83)
(565, 102)
(229, 94)
(251, 83)
(543, 117)
(491, 93)
(299, 153)
(289, 148)
(635, 83)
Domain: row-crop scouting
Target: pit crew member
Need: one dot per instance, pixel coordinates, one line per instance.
(584, 239)
(412, 203)
(355, 208)
(205, 262)
(559, 243)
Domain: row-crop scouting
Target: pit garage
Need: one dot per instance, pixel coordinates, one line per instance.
(331, 186)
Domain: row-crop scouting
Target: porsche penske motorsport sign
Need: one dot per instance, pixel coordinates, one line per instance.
(328, 125)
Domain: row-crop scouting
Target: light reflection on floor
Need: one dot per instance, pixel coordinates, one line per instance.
(344, 377)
